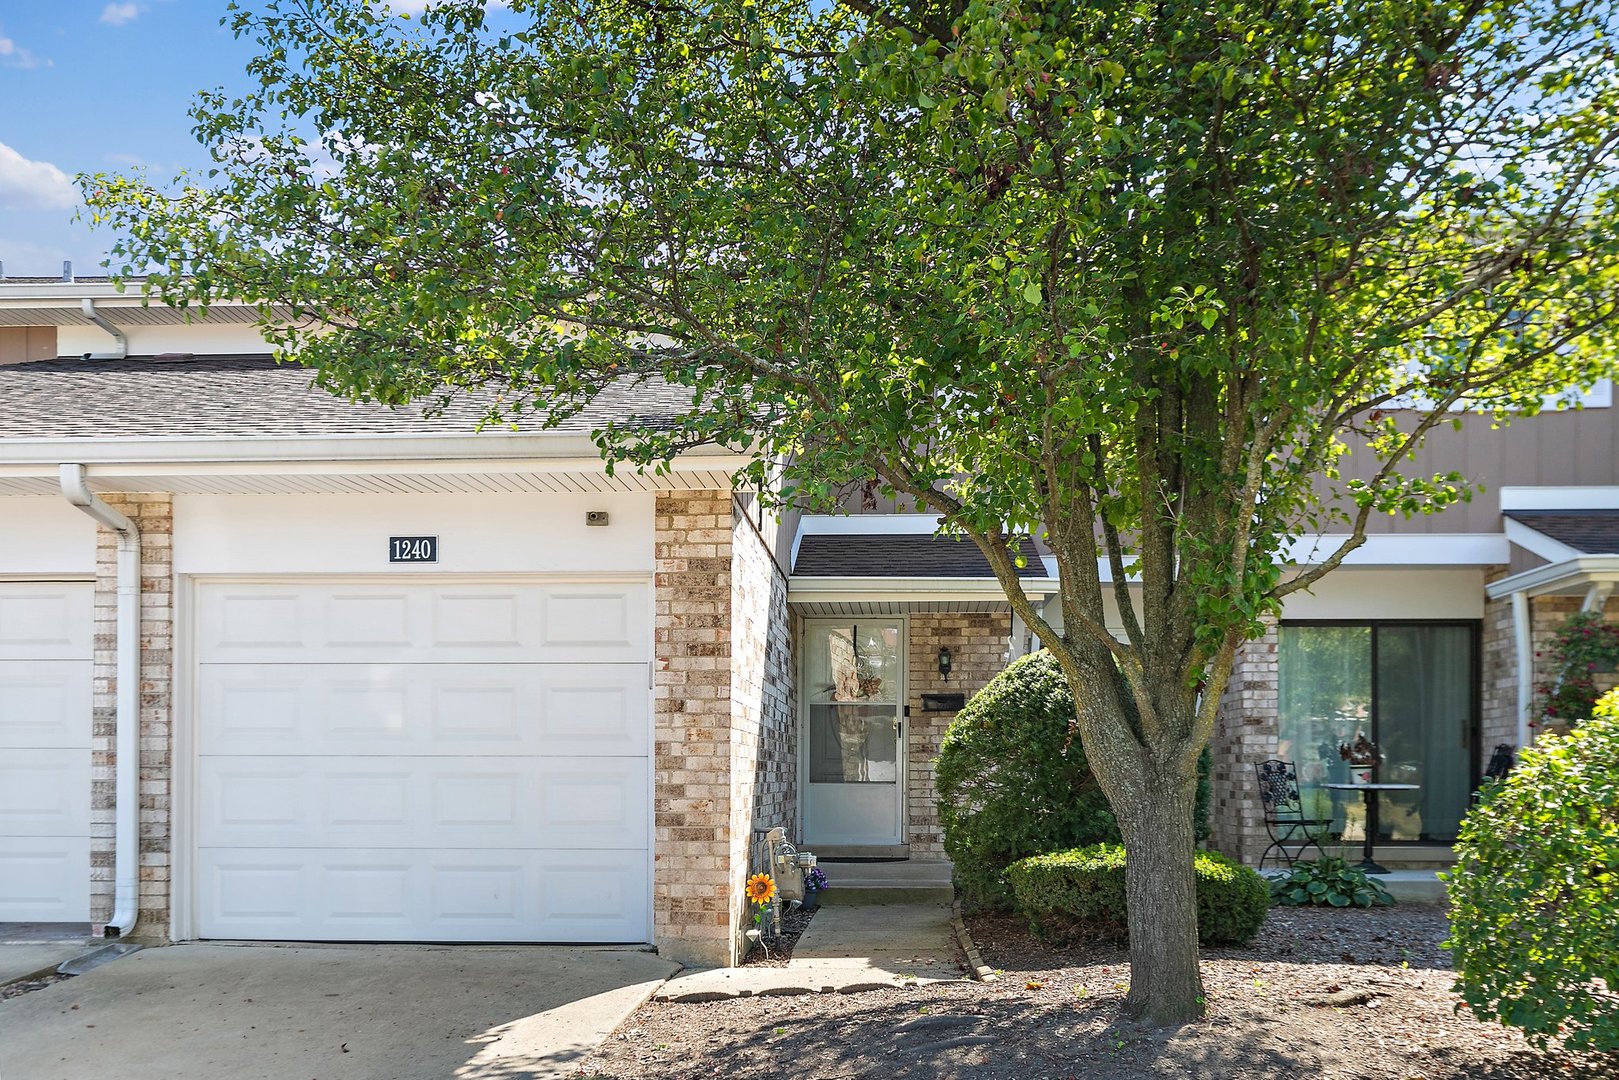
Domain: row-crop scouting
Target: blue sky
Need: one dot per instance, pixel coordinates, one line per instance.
(90, 87)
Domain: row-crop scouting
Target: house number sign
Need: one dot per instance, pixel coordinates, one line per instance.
(412, 549)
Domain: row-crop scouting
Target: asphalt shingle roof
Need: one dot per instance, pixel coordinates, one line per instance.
(251, 395)
(1594, 532)
(902, 555)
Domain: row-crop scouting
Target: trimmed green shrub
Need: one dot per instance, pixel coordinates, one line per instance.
(1079, 895)
(1328, 882)
(1012, 784)
(1534, 895)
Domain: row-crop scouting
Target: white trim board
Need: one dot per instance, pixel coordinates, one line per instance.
(1538, 543)
(1394, 549)
(1549, 498)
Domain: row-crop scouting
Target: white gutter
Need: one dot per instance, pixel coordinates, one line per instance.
(558, 453)
(126, 820)
(823, 590)
(88, 307)
(1557, 577)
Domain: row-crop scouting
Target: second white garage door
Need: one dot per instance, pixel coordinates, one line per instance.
(423, 762)
(45, 683)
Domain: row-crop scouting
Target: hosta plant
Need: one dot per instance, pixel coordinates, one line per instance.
(1328, 882)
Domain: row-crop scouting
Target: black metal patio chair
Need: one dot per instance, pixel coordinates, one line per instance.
(1501, 762)
(1291, 833)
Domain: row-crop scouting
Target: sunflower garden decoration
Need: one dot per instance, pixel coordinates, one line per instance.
(761, 890)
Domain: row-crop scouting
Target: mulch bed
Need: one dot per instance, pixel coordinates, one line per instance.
(1054, 1015)
(776, 950)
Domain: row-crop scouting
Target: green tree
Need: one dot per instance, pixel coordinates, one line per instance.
(1136, 274)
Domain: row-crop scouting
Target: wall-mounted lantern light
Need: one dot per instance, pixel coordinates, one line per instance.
(944, 662)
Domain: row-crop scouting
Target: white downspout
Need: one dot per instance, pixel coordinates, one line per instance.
(126, 819)
(1523, 644)
(88, 306)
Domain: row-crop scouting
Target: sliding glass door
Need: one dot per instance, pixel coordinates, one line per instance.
(1410, 688)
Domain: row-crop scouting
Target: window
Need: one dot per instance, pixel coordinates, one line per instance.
(1410, 687)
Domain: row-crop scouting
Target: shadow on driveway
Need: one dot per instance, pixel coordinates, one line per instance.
(328, 1012)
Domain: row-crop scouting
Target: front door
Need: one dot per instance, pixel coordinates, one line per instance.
(854, 738)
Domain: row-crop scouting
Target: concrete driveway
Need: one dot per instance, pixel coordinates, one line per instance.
(327, 1012)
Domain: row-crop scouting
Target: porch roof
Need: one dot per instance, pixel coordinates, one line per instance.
(1591, 532)
(901, 555)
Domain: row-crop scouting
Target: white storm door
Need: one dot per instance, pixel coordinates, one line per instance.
(853, 725)
(45, 681)
(423, 762)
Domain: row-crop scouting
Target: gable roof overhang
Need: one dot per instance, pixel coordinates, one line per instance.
(351, 464)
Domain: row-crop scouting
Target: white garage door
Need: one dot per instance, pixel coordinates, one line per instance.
(45, 639)
(424, 762)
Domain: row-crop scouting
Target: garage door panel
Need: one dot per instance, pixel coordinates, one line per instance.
(44, 879)
(424, 761)
(423, 803)
(446, 709)
(596, 710)
(46, 620)
(427, 623)
(44, 793)
(434, 895)
(492, 620)
(44, 703)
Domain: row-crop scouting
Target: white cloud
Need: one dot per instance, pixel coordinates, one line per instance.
(29, 184)
(14, 55)
(119, 14)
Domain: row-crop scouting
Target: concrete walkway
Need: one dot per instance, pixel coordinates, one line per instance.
(847, 949)
(335, 1012)
(30, 960)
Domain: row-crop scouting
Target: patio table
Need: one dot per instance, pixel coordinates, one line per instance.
(1369, 792)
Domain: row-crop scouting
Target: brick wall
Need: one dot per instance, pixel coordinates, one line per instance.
(723, 728)
(763, 707)
(764, 736)
(979, 649)
(1245, 733)
(693, 918)
(1498, 672)
(1546, 616)
(153, 515)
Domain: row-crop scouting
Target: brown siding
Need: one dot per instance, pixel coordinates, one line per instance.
(1572, 447)
(22, 344)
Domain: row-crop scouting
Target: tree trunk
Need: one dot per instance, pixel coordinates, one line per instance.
(1166, 987)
